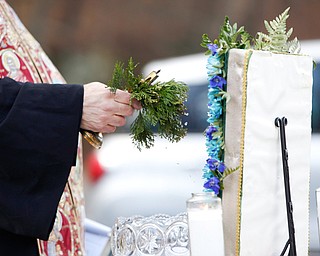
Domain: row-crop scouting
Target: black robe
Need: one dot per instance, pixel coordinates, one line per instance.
(39, 129)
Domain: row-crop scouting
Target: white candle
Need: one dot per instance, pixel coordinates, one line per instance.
(205, 230)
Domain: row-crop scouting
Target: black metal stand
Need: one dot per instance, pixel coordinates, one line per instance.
(281, 123)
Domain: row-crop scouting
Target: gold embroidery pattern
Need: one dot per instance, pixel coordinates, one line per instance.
(22, 59)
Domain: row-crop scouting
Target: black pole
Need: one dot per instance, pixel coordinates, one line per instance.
(281, 123)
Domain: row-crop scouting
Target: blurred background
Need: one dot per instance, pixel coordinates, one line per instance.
(84, 38)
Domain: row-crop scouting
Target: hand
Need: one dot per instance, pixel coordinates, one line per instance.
(103, 110)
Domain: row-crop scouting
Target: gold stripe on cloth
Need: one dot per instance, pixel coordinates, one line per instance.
(243, 126)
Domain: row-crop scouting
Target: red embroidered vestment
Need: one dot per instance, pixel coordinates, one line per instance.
(22, 59)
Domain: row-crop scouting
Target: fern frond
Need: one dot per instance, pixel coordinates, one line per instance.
(294, 46)
(289, 33)
(229, 171)
(268, 27)
(277, 38)
(262, 42)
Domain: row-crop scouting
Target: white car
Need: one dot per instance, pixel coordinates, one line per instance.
(160, 179)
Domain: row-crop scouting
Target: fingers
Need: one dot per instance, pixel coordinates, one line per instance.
(123, 110)
(122, 97)
(103, 110)
(136, 104)
(114, 120)
(118, 104)
(109, 129)
(125, 98)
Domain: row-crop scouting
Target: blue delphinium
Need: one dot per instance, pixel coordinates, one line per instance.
(213, 48)
(213, 184)
(210, 130)
(217, 82)
(230, 37)
(214, 167)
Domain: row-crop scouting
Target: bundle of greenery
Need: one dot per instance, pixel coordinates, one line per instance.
(162, 105)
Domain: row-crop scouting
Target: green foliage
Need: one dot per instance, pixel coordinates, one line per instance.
(205, 41)
(228, 171)
(232, 37)
(123, 78)
(163, 105)
(277, 38)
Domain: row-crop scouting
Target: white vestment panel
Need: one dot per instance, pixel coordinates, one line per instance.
(263, 86)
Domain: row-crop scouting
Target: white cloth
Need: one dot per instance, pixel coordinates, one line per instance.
(97, 236)
(273, 85)
(318, 209)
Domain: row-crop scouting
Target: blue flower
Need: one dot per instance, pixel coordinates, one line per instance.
(215, 61)
(210, 130)
(215, 108)
(221, 167)
(207, 174)
(214, 66)
(213, 48)
(215, 165)
(215, 111)
(217, 82)
(214, 96)
(213, 184)
(213, 148)
(211, 163)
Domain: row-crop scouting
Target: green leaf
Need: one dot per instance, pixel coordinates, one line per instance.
(228, 171)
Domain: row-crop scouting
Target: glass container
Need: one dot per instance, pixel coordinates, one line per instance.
(159, 235)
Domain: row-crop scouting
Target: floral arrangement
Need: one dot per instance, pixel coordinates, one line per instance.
(230, 37)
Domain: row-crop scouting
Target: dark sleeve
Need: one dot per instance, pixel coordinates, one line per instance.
(39, 128)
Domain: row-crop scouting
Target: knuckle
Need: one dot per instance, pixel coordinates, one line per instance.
(109, 129)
